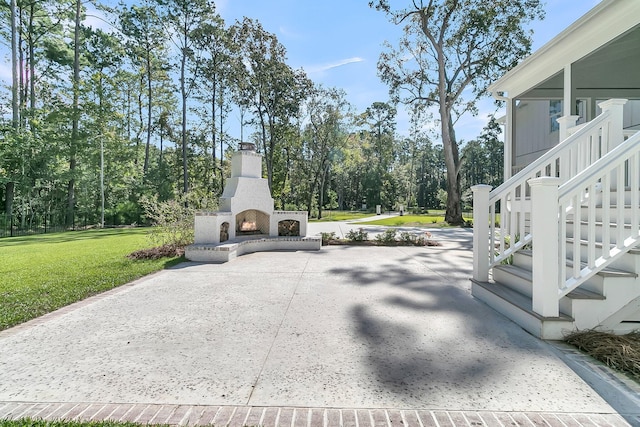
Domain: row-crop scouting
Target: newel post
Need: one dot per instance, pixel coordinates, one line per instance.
(481, 232)
(566, 123)
(616, 135)
(544, 229)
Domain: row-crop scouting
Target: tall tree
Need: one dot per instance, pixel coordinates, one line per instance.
(379, 120)
(15, 99)
(214, 76)
(322, 139)
(183, 18)
(450, 51)
(75, 115)
(270, 89)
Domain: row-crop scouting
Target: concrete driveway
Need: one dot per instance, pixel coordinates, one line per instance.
(358, 328)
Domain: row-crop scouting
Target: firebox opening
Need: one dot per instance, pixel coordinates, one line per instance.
(289, 227)
(252, 222)
(224, 232)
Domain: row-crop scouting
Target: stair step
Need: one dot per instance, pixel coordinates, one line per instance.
(524, 274)
(517, 299)
(584, 242)
(580, 293)
(606, 272)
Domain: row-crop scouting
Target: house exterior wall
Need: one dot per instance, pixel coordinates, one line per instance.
(536, 130)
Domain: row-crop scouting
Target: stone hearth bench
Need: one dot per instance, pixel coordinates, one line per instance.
(226, 251)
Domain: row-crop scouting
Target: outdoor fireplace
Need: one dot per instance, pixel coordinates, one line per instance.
(246, 215)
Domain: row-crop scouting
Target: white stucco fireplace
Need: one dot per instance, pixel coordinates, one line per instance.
(246, 221)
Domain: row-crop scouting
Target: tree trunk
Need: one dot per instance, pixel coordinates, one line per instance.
(321, 188)
(15, 99)
(453, 214)
(76, 118)
(221, 144)
(213, 133)
(145, 166)
(8, 200)
(183, 91)
(15, 73)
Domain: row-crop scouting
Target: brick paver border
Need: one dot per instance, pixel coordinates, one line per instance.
(239, 416)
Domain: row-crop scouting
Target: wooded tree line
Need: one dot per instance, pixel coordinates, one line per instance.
(96, 120)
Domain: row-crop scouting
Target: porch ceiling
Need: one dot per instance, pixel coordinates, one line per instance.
(586, 42)
(610, 68)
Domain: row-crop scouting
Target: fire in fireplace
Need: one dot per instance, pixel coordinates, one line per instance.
(247, 226)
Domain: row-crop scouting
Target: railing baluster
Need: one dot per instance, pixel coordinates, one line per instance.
(562, 242)
(576, 242)
(606, 206)
(619, 212)
(634, 187)
(492, 230)
(591, 228)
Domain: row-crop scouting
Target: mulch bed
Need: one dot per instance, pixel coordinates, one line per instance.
(164, 251)
(344, 242)
(620, 352)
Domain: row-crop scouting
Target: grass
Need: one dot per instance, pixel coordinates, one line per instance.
(42, 273)
(433, 219)
(341, 216)
(28, 422)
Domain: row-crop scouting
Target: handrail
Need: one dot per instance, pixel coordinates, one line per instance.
(510, 232)
(555, 152)
(618, 169)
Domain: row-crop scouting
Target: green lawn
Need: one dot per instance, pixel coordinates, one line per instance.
(433, 219)
(39, 274)
(341, 216)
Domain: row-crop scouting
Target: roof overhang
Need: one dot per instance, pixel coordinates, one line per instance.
(602, 24)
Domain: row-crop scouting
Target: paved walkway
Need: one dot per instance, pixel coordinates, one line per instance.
(351, 336)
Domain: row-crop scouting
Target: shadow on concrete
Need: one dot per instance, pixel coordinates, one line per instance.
(452, 340)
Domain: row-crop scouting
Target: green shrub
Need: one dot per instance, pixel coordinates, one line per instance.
(407, 237)
(388, 237)
(357, 236)
(326, 237)
(173, 220)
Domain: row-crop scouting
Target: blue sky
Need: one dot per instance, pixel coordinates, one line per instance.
(338, 42)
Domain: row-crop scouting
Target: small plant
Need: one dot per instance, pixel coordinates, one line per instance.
(327, 237)
(388, 237)
(357, 236)
(407, 237)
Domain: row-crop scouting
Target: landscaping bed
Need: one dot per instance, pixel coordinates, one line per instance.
(389, 237)
(619, 352)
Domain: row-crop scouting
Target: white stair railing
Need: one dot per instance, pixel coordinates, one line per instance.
(502, 216)
(609, 223)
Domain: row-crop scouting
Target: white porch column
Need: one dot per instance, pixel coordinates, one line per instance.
(508, 140)
(544, 229)
(567, 105)
(481, 232)
(616, 134)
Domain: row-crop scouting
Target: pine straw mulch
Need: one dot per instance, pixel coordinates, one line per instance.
(620, 352)
(164, 251)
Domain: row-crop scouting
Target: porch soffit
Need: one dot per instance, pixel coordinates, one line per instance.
(602, 24)
(609, 68)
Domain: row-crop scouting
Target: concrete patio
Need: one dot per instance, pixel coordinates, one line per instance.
(342, 336)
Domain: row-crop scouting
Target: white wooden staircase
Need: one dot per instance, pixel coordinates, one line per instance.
(555, 246)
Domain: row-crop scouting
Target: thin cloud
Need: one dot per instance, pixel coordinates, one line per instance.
(326, 67)
(288, 33)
